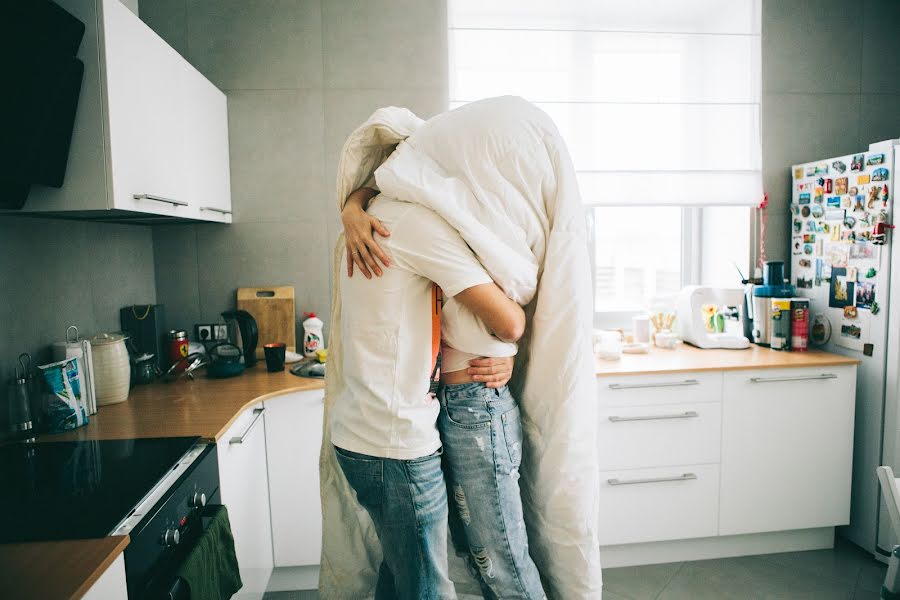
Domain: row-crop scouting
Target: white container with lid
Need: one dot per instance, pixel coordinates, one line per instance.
(112, 371)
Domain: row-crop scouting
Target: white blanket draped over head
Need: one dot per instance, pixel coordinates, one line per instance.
(498, 171)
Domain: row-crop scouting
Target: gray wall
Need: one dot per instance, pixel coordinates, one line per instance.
(56, 273)
(831, 85)
(299, 76)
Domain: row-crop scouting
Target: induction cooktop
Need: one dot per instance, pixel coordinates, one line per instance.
(77, 490)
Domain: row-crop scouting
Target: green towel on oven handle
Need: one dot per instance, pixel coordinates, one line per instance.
(211, 568)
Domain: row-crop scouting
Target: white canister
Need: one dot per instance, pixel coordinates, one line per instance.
(640, 329)
(74, 347)
(112, 371)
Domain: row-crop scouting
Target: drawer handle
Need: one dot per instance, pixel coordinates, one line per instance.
(682, 477)
(214, 209)
(159, 199)
(257, 413)
(637, 386)
(799, 378)
(690, 414)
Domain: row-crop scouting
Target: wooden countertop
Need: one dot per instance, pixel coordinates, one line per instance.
(686, 358)
(63, 570)
(204, 407)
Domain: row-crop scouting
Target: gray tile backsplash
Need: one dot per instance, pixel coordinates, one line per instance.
(56, 273)
(275, 140)
(276, 44)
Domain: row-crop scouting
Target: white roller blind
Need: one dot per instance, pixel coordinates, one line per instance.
(658, 100)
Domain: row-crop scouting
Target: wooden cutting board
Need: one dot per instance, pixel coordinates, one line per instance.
(273, 309)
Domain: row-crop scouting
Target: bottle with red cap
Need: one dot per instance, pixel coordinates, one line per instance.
(312, 335)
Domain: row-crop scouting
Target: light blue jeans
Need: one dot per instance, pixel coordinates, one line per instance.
(407, 500)
(481, 430)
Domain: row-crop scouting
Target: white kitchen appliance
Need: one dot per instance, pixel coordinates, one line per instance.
(841, 247)
(711, 317)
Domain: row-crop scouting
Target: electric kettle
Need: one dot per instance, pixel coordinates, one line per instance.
(243, 333)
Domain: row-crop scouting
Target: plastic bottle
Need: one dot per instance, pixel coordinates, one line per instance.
(312, 335)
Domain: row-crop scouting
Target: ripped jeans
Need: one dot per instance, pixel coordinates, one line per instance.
(481, 430)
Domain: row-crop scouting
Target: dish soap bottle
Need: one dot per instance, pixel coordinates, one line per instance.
(312, 334)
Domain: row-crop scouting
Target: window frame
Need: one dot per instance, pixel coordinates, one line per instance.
(691, 248)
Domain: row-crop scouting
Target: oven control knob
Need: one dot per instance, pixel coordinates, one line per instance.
(171, 538)
(198, 500)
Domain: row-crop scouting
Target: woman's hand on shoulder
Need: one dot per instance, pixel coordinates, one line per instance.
(362, 249)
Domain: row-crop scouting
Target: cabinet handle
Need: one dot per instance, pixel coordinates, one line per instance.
(691, 414)
(636, 386)
(798, 378)
(682, 477)
(214, 209)
(257, 413)
(159, 199)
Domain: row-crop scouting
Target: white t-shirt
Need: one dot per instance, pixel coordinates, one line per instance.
(385, 409)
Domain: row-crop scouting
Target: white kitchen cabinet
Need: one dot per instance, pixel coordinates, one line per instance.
(244, 488)
(787, 449)
(632, 437)
(666, 503)
(664, 388)
(150, 141)
(111, 584)
(293, 441)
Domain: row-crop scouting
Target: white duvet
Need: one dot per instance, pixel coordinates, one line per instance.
(499, 172)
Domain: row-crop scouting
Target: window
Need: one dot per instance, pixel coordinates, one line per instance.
(658, 102)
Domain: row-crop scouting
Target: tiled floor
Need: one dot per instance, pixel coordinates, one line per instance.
(846, 572)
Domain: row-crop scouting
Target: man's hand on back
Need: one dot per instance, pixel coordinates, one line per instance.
(493, 372)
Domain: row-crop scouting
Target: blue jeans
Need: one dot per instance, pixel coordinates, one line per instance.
(481, 430)
(407, 501)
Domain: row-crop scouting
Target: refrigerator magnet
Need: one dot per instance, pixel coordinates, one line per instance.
(798, 226)
(880, 175)
(812, 226)
(838, 256)
(849, 222)
(874, 196)
(798, 173)
(853, 190)
(805, 263)
(839, 166)
(820, 245)
(841, 291)
(863, 251)
(834, 214)
(885, 193)
(805, 211)
(817, 211)
(861, 179)
(804, 283)
(807, 249)
(797, 246)
(818, 278)
(865, 295)
(850, 337)
(803, 199)
(852, 274)
(875, 159)
(857, 163)
(810, 171)
(875, 309)
(840, 186)
(846, 202)
(809, 238)
(828, 186)
(859, 204)
(820, 181)
(872, 272)
(850, 312)
(834, 202)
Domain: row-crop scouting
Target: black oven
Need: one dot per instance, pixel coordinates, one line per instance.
(168, 530)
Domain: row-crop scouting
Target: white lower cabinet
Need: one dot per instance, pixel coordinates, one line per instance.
(293, 440)
(244, 487)
(713, 454)
(787, 449)
(111, 585)
(664, 503)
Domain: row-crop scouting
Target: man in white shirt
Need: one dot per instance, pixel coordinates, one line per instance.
(384, 423)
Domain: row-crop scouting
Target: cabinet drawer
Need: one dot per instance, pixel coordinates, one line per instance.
(671, 388)
(634, 437)
(647, 505)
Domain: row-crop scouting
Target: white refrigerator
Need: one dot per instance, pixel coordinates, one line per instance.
(841, 259)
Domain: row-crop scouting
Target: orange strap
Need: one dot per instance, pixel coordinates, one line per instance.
(437, 300)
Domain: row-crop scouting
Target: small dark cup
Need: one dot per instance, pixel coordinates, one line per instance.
(274, 357)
